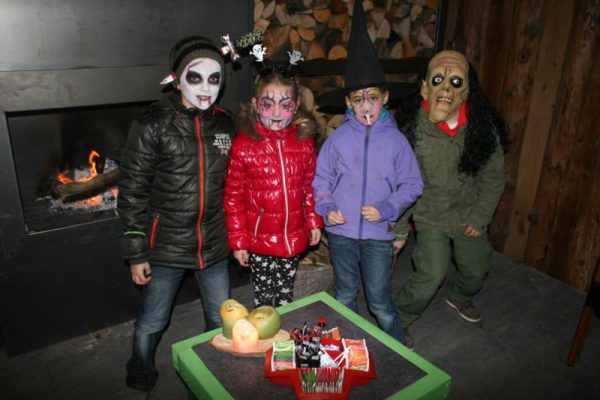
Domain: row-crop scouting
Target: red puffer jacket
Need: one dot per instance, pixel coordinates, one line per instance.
(268, 194)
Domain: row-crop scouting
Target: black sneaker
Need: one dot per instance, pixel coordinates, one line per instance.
(467, 310)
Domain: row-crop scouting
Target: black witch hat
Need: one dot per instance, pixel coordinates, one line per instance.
(363, 68)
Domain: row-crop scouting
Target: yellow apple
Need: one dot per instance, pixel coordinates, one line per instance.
(231, 311)
(266, 319)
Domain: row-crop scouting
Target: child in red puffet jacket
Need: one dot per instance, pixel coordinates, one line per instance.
(269, 202)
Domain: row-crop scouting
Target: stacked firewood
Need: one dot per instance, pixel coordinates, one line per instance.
(320, 30)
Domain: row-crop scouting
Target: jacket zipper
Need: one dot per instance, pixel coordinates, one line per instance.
(364, 181)
(285, 197)
(257, 222)
(201, 183)
(154, 227)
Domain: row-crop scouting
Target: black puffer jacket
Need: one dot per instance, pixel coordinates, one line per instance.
(171, 186)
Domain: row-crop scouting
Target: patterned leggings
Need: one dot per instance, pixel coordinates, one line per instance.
(273, 279)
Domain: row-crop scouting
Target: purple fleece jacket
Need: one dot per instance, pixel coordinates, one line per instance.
(360, 165)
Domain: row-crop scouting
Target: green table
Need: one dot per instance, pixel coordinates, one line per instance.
(401, 373)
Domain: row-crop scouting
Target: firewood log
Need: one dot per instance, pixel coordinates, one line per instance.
(269, 9)
(368, 5)
(78, 190)
(322, 15)
(262, 25)
(339, 21)
(276, 36)
(397, 51)
(383, 30)
(282, 14)
(259, 6)
(306, 21)
(334, 122)
(306, 34)
(307, 98)
(294, 38)
(337, 52)
(415, 11)
(338, 7)
(315, 50)
(408, 49)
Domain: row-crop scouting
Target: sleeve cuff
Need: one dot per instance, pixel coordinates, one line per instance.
(386, 210)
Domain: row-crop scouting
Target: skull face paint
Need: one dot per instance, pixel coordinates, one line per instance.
(446, 86)
(367, 104)
(200, 83)
(276, 106)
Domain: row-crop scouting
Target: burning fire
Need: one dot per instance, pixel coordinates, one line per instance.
(62, 178)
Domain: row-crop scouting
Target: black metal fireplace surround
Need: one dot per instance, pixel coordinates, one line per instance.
(69, 87)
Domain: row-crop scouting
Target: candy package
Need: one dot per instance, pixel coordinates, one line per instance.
(283, 356)
(357, 356)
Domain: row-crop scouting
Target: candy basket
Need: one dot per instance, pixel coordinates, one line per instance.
(291, 377)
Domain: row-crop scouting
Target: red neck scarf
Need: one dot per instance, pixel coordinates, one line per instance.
(462, 118)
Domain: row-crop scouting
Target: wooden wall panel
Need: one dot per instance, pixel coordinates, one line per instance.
(538, 62)
(516, 76)
(569, 156)
(546, 80)
(584, 248)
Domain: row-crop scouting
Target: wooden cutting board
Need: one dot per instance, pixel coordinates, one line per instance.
(221, 343)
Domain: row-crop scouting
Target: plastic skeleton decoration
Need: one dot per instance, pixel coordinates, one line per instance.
(229, 48)
(258, 51)
(446, 87)
(295, 57)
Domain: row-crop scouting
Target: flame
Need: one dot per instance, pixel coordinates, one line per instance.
(62, 178)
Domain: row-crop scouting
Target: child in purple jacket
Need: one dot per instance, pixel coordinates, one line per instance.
(366, 177)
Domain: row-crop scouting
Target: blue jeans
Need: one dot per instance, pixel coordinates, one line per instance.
(373, 258)
(155, 311)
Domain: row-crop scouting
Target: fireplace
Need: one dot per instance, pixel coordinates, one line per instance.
(68, 94)
(67, 162)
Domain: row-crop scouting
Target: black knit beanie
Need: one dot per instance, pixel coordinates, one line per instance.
(190, 48)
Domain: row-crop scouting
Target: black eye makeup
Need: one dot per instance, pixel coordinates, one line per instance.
(456, 82)
(193, 78)
(214, 79)
(436, 80)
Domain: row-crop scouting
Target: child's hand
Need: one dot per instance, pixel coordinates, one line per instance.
(242, 257)
(141, 274)
(370, 213)
(315, 236)
(336, 218)
(398, 246)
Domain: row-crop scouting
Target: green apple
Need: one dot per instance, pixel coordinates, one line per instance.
(231, 311)
(266, 319)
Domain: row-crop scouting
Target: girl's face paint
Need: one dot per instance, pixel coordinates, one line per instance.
(200, 83)
(276, 106)
(367, 104)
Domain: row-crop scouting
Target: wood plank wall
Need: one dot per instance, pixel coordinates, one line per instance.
(539, 63)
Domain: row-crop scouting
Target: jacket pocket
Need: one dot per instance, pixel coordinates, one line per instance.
(337, 182)
(257, 222)
(154, 229)
(389, 184)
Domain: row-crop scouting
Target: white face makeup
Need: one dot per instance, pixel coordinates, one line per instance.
(200, 83)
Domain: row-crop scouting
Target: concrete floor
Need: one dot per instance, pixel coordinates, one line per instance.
(517, 351)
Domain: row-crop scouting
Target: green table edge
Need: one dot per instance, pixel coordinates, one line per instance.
(434, 385)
